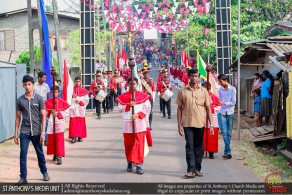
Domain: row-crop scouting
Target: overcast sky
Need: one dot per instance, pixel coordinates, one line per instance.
(11, 5)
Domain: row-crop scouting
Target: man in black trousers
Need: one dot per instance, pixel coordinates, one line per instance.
(193, 102)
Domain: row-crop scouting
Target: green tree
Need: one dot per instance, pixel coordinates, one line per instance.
(74, 44)
(256, 17)
(24, 57)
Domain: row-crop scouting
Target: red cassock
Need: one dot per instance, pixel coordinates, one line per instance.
(175, 73)
(171, 70)
(185, 78)
(135, 150)
(118, 85)
(113, 84)
(161, 88)
(77, 125)
(181, 74)
(56, 145)
(212, 141)
(94, 87)
(159, 82)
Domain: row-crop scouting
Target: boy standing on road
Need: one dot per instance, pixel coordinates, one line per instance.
(32, 109)
(227, 97)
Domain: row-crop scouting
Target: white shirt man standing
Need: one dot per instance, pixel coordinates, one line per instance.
(42, 88)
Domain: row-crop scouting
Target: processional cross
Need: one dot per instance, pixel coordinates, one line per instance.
(131, 64)
(130, 34)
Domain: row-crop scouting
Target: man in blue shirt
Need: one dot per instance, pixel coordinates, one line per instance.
(266, 97)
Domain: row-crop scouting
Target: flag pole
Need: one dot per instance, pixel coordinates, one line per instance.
(53, 73)
(238, 76)
(206, 129)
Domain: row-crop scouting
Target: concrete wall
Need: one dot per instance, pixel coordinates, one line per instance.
(19, 23)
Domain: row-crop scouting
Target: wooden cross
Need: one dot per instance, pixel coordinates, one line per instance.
(130, 34)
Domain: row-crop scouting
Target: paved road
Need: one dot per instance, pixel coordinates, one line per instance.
(100, 158)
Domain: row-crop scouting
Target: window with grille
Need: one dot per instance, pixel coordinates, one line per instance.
(7, 40)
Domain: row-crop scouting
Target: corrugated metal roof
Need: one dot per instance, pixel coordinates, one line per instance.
(287, 24)
(280, 49)
(282, 65)
(253, 41)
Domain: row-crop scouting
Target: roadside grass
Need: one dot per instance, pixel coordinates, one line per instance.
(262, 164)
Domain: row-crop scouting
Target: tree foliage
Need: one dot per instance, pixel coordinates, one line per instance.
(74, 43)
(256, 17)
(24, 57)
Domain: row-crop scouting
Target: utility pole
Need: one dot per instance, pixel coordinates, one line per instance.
(188, 41)
(238, 73)
(32, 25)
(59, 55)
(98, 31)
(106, 45)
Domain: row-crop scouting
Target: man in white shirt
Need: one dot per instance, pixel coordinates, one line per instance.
(42, 88)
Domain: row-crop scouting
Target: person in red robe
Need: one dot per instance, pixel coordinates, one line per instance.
(211, 142)
(112, 89)
(185, 78)
(164, 85)
(119, 83)
(135, 140)
(95, 87)
(125, 72)
(77, 125)
(56, 143)
(148, 88)
(159, 82)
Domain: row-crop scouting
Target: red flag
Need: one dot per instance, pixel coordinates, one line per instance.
(124, 56)
(67, 85)
(291, 59)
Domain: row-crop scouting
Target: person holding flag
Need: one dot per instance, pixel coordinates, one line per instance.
(135, 139)
(77, 125)
(148, 88)
(56, 143)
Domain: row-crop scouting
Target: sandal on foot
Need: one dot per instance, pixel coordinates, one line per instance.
(190, 175)
(199, 174)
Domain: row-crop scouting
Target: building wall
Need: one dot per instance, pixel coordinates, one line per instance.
(247, 73)
(19, 23)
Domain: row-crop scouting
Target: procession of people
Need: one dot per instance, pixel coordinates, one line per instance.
(132, 92)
